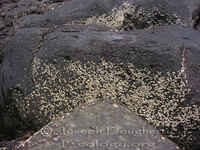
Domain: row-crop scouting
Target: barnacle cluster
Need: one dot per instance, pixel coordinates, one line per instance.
(157, 97)
(129, 17)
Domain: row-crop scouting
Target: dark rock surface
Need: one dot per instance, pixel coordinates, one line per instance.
(98, 125)
(82, 10)
(58, 55)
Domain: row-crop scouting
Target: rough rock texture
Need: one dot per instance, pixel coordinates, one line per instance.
(194, 13)
(13, 10)
(72, 51)
(98, 125)
(82, 10)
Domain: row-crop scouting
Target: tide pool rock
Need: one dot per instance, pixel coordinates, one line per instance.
(98, 125)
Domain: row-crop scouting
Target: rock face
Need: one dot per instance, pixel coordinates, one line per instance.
(75, 51)
(82, 10)
(98, 125)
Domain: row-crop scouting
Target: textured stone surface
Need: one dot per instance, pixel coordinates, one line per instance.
(81, 10)
(93, 62)
(55, 62)
(98, 125)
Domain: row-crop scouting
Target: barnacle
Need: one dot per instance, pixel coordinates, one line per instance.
(155, 96)
(129, 17)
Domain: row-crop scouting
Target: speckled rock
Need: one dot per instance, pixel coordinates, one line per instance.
(81, 10)
(66, 66)
(98, 125)
(62, 65)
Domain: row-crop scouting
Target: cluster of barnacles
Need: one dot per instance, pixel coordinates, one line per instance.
(129, 17)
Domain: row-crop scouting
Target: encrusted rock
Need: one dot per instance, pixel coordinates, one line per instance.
(61, 57)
